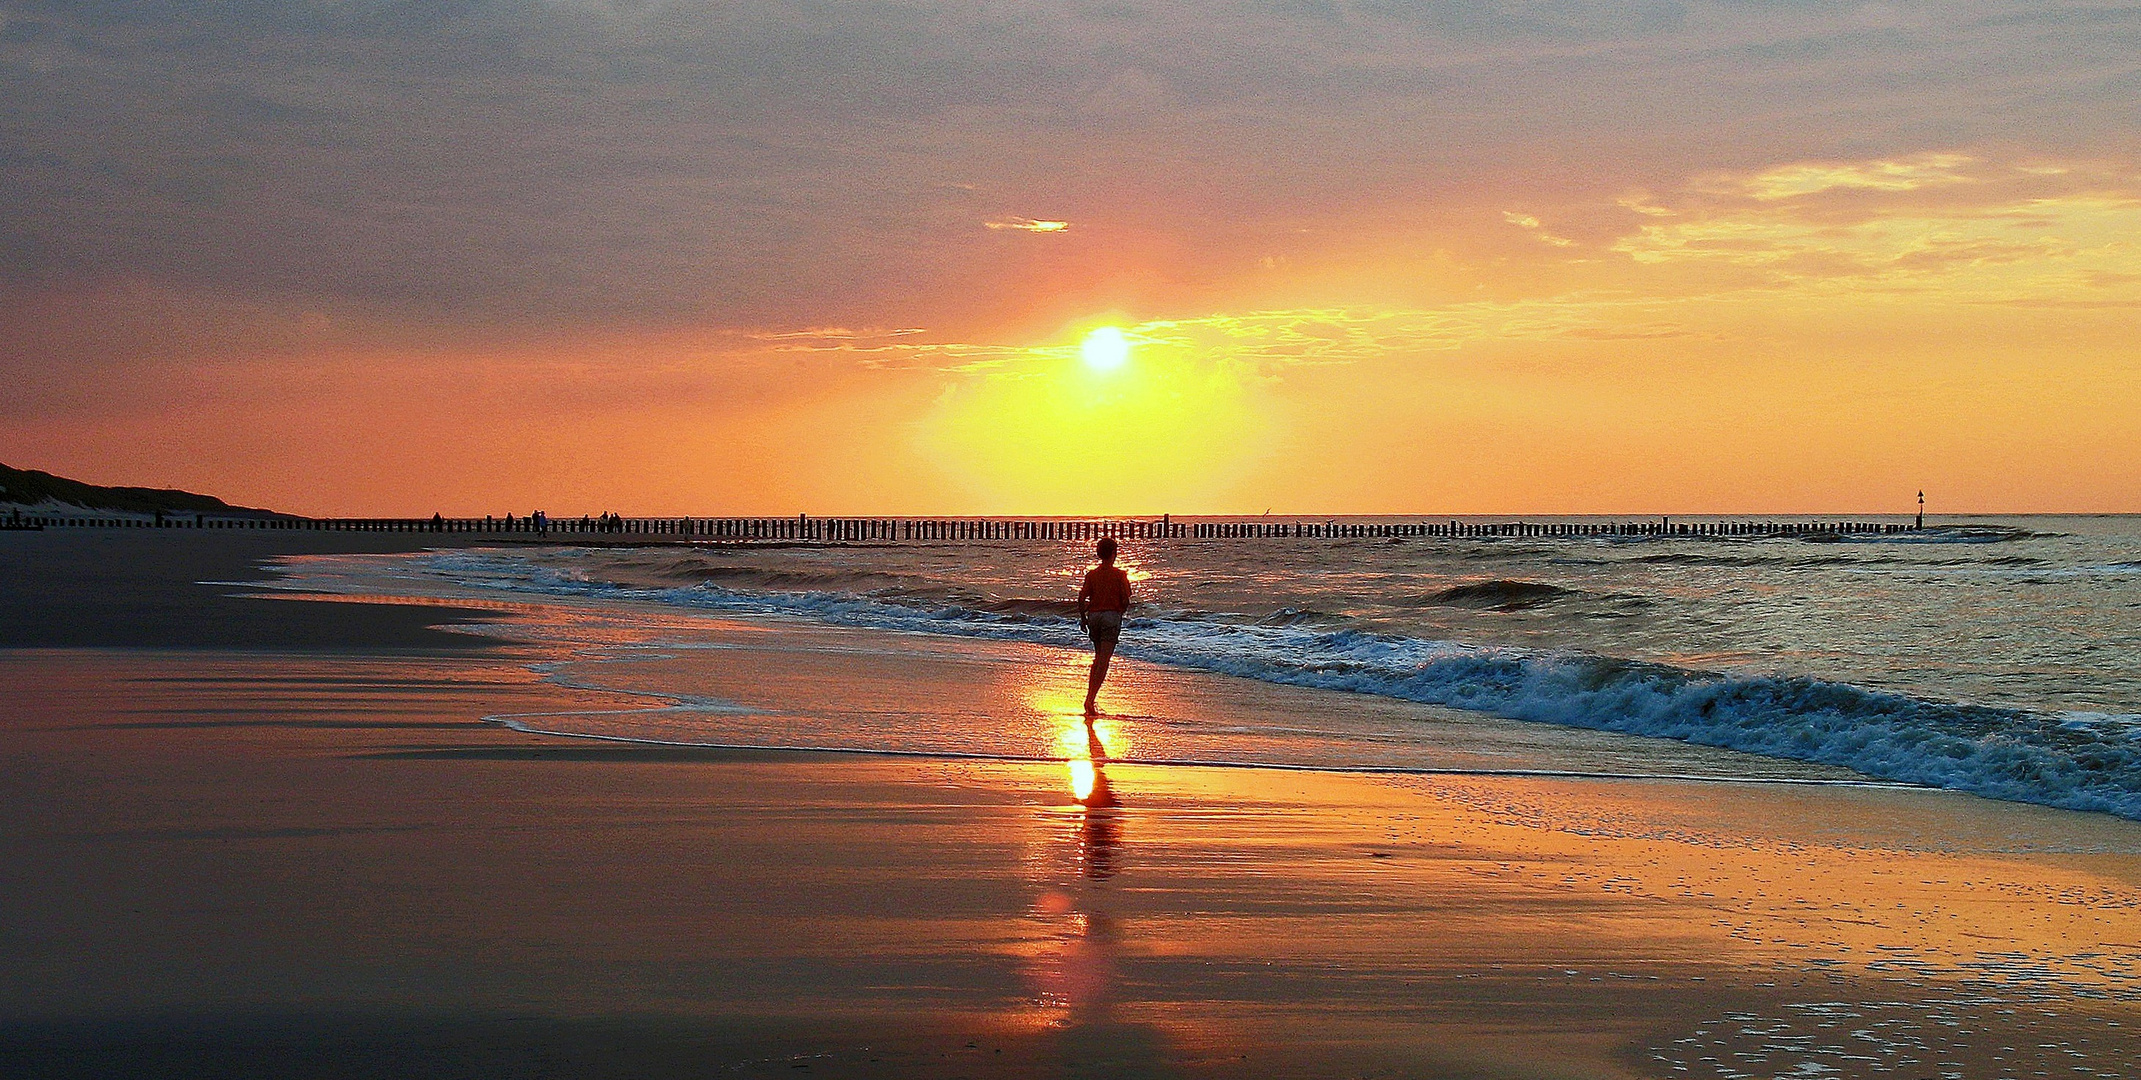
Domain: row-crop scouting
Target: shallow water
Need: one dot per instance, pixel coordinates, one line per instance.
(1999, 656)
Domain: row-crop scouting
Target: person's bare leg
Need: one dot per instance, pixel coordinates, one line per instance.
(1101, 655)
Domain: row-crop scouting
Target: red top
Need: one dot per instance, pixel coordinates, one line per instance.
(1107, 588)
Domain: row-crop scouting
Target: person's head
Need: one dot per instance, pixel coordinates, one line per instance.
(1105, 549)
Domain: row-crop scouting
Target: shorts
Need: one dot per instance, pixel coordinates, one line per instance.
(1104, 626)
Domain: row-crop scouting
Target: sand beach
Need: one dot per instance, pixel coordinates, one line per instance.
(269, 835)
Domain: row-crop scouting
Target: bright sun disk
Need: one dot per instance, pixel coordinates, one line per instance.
(1105, 349)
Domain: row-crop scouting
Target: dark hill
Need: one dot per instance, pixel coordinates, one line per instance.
(30, 486)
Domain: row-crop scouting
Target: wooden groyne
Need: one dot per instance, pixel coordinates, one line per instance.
(805, 529)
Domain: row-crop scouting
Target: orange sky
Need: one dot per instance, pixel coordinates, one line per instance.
(1626, 259)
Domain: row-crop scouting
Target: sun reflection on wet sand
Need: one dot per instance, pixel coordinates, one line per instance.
(1074, 969)
(1075, 966)
(1088, 776)
(1087, 743)
(1083, 779)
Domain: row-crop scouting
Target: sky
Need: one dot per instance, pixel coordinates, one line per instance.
(841, 257)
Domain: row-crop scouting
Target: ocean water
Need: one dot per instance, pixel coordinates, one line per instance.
(1999, 656)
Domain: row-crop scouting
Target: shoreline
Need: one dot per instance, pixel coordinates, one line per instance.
(1567, 649)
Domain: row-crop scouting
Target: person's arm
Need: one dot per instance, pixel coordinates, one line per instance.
(1085, 593)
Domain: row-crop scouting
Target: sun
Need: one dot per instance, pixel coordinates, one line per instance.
(1105, 349)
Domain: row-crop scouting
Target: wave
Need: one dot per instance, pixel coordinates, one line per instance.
(1997, 752)
(1497, 595)
(1301, 617)
(1030, 608)
(1957, 534)
(1691, 558)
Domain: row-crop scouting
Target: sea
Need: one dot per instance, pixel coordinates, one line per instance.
(1999, 656)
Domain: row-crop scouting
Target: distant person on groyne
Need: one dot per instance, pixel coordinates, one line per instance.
(1102, 601)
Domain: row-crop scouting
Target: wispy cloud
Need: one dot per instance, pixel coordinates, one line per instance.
(1024, 224)
(1537, 228)
(1973, 228)
(1814, 177)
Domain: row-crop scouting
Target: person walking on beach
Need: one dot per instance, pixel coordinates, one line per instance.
(1102, 601)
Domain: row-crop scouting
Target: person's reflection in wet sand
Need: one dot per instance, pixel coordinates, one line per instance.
(1100, 828)
(1088, 777)
(1091, 1034)
(1102, 836)
(1076, 969)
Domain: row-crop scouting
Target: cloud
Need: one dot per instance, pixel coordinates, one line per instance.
(1023, 224)
(1975, 229)
(1810, 178)
(761, 162)
(1536, 228)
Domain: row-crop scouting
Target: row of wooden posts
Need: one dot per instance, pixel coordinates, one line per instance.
(887, 530)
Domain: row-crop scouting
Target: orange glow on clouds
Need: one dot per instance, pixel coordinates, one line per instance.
(1024, 224)
(1809, 336)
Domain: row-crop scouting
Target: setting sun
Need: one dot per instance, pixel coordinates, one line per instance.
(1021, 433)
(1105, 349)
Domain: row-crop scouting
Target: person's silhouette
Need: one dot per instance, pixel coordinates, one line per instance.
(1102, 602)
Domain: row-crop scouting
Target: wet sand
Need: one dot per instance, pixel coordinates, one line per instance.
(159, 588)
(322, 862)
